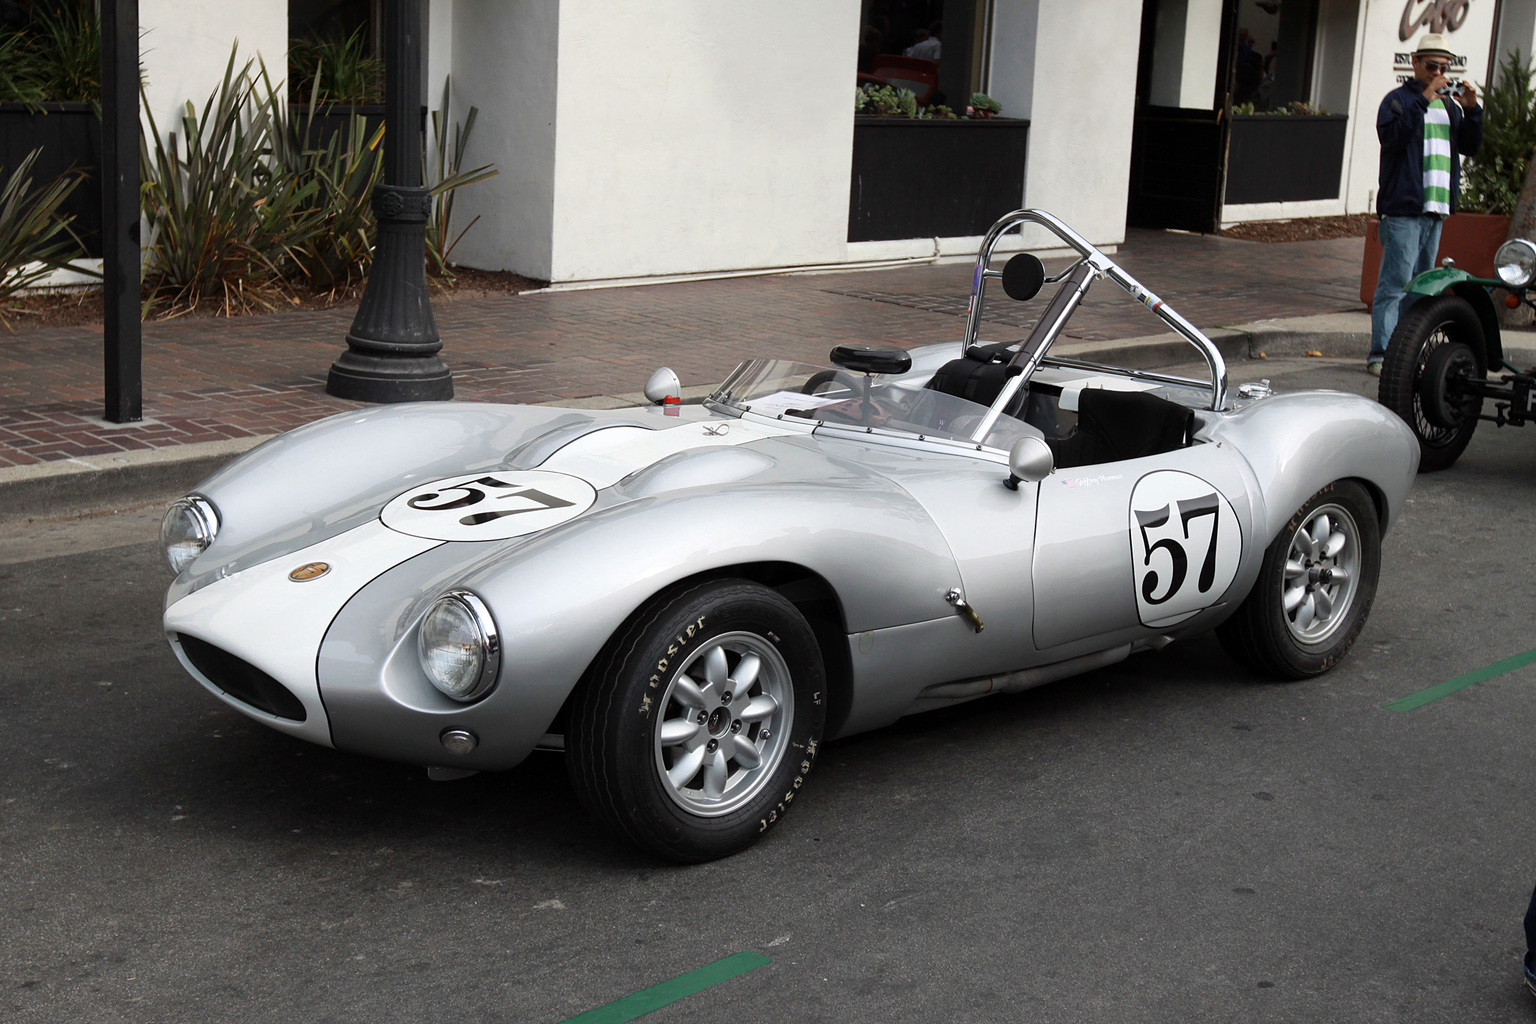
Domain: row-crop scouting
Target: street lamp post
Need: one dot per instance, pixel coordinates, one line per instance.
(392, 348)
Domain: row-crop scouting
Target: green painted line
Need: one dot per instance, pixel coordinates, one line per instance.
(654, 998)
(1450, 686)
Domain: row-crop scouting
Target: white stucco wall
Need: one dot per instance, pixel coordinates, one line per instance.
(1071, 69)
(184, 48)
(696, 136)
(504, 54)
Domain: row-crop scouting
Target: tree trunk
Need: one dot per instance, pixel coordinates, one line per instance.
(1522, 224)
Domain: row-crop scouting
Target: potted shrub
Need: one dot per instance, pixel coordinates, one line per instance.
(1292, 154)
(929, 173)
(50, 80)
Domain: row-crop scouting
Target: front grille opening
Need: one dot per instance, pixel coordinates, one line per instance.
(241, 680)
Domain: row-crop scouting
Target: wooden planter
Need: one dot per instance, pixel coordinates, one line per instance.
(1470, 239)
(934, 179)
(69, 136)
(1279, 158)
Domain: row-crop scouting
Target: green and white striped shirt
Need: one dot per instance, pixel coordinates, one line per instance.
(1437, 159)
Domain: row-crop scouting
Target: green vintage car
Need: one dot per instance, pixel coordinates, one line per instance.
(1446, 359)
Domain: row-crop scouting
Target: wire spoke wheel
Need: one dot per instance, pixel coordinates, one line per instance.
(1415, 351)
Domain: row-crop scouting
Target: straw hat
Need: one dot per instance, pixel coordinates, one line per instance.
(1433, 44)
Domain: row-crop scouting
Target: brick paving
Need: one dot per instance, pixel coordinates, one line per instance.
(208, 379)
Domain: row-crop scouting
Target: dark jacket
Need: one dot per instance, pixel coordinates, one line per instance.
(1400, 127)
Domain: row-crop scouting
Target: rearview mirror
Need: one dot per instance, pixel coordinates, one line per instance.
(1030, 459)
(662, 386)
(1023, 276)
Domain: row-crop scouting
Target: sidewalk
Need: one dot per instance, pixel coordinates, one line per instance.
(216, 386)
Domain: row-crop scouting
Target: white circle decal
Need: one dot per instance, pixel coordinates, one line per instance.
(489, 506)
(1186, 542)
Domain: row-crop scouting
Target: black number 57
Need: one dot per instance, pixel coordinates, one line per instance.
(1188, 509)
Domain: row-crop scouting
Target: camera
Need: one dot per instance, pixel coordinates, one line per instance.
(1452, 89)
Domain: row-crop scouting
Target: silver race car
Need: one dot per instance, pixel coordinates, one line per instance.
(687, 600)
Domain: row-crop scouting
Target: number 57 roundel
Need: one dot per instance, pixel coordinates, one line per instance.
(1185, 544)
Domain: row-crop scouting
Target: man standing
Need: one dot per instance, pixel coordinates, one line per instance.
(1423, 137)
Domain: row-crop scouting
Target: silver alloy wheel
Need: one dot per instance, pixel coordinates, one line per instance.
(724, 724)
(1322, 572)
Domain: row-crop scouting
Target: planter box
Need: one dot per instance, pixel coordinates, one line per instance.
(1282, 158)
(70, 138)
(1470, 239)
(934, 179)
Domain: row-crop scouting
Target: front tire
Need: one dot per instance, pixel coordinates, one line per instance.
(1431, 324)
(699, 722)
(1314, 589)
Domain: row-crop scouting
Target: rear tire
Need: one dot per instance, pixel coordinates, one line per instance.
(1314, 589)
(1427, 326)
(699, 722)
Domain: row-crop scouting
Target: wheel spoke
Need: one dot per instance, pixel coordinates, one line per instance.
(1321, 528)
(1336, 542)
(716, 668)
(758, 708)
(1292, 598)
(678, 731)
(743, 751)
(1306, 543)
(745, 674)
(1324, 604)
(686, 692)
(715, 775)
(1294, 569)
(1304, 613)
(1339, 575)
(686, 768)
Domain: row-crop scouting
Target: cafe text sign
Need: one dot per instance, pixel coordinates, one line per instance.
(1432, 15)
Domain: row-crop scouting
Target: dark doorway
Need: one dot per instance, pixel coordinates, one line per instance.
(1179, 142)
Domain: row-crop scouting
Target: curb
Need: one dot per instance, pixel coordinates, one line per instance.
(100, 481)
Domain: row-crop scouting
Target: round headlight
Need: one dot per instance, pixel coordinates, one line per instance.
(189, 526)
(1516, 262)
(459, 647)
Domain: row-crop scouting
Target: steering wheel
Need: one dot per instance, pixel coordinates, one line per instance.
(821, 383)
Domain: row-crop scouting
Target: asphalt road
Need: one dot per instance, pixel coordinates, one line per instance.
(1168, 840)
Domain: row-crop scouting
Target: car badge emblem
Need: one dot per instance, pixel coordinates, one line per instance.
(312, 571)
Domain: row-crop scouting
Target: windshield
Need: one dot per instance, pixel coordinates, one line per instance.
(841, 398)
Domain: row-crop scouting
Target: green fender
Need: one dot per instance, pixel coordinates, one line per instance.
(1474, 291)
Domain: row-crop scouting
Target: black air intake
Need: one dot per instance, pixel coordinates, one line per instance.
(241, 680)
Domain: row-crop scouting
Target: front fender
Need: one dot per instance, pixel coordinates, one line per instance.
(559, 596)
(1472, 290)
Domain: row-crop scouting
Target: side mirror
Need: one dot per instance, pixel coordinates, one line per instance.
(662, 386)
(1029, 459)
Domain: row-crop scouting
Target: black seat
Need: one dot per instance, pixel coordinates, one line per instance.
(1117, 425)
(978, 376)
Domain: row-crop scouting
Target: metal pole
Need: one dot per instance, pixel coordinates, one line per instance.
(393, 344)
(122, 335)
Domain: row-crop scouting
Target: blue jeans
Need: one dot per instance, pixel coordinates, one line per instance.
(1408, 247)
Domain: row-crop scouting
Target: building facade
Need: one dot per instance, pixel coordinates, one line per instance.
(646, 139)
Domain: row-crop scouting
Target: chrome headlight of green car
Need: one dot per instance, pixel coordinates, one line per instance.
(1516, 262)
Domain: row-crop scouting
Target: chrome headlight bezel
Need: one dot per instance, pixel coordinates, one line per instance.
(471, 620)
(1515, 262)
(186, 530)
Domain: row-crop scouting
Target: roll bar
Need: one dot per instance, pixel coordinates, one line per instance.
(1091, 266)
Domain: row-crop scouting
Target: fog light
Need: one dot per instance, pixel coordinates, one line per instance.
(459, 741)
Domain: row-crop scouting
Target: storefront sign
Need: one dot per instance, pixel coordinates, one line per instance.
(1435, 15)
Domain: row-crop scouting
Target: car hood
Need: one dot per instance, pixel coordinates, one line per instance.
(401, 462)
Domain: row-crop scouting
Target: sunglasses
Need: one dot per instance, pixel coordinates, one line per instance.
(1434, 67)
